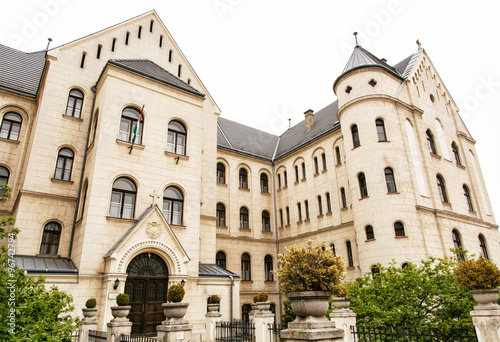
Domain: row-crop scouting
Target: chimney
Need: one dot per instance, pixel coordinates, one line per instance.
(309, 118)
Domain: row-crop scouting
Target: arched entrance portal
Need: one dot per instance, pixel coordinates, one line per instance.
(146, 286)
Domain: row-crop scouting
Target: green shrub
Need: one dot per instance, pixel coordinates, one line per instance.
(261, 297)
(339, 291)
(213, 299)
(90, 303)
(475, 274)
(175, 293)
(122, 299)
(310, 268)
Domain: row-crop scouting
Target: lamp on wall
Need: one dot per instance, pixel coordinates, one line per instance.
(183, 282)
(117, 282)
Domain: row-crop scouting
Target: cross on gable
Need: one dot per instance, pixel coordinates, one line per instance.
(154, 196)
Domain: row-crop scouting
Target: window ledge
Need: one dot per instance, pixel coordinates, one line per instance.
(401, 237)
(320, 215)
(223, 227)
(267, 232)
(356, 147)
(61, 180)
(247, 281)
(393, 193)
(316, 174)
(112, 218)
(245, 229)
(307, 220)
(175, 155)
(338, 165)
(280, 227)
(433, 155)
(303, 180)
(324, 170)
(128, 144)
(472, 212)
(460, 166)
(269, 281)
(296, 182)
(329, 213)
(222, 184)
(384, 141)
(300, 222)
(244, 189)
(344, 209)
(72, 118)
(362, 198)
(447, 205)
(350, 268)
(285, 187)
(369, 240)
(177, 226)
(278, 190)
(265, 193)
(287, 226)
(10, 141)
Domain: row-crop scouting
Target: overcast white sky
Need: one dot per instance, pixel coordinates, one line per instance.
(267, 61)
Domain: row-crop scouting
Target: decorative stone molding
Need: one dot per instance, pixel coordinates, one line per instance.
(150, 244)
(154, 229)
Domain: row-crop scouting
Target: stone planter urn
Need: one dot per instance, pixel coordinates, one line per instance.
(120, 313)
(309, 303)
(89, 314)
(261, 306)
(174, 312)
(213, 307)
(341, 303)
(486, 299)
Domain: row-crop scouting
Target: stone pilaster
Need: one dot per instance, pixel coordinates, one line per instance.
(487, 323)
(117, 329)
(88, 323)
(262, 319)
(344, 319)
(210, 323)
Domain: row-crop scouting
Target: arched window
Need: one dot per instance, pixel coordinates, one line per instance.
(355, 136)
(332, 247)
(220, 259)
(328, 203)
(454, 149)
(179, 70)
(285, 178)
(306, 204)
(363, 189)
(130, 117)
(320, 205)
(246, 273)
(173, 203)
(457, 243)
(399, 229)
(279, 181)
(468, 199)
(430, 142)
(4, 175)
(11, 126)
(316, 166)
(390, 181)
(64, 164)
(75, 102)
(303, 170)
(170, 52)
(375, 270)
(482, 246)
(281, 217)
(244, 218)
(123, 198)
(442, 189)
(379, 123)
(176, 138)
(287, 216)
(299, 211)
(266, 221)
(296, 173)
(337, 153)
(264, 184)
(323, 158)
(370, 235)
(221, 215)
(243, 177)
(268, 268)
(350, 260)
(50, 238)
(344, 198)
(221, 173)
(94, 131)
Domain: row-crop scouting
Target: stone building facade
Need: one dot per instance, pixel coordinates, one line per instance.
(386, 172)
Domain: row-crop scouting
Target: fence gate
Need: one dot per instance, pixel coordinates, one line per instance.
(412, 334)
(235, 331)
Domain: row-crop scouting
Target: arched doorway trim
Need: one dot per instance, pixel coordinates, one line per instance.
(166, 252)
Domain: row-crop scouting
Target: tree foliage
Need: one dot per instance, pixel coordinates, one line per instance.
(28, 311)
(423, 295)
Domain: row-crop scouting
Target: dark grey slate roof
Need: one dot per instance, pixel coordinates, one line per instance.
(20, 72)
(149, 69)
(404, 67)
(33, 264)
(212, 270)
(244, 139)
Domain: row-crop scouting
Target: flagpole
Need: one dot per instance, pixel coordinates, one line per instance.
(136, 127)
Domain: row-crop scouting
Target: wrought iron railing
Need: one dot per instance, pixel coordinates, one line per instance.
(274, 332)
(97, 336)
(412, 334)
(128, 338)
(235, 331)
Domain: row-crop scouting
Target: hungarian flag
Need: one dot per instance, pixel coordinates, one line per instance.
(134, 130)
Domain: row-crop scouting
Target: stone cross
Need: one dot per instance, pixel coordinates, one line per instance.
(154, 196)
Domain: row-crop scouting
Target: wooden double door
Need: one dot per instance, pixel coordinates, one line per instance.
(146, 285)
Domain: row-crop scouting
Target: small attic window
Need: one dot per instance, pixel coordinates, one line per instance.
(189, 81)
(139, 32)
(151, 25)
(179, 70)
(161, 41)
(170, 56)
(82, 63)
(99, 49)
(433, 99)
(127, 36)
(372, 82)
(113, 44)
(348, 89)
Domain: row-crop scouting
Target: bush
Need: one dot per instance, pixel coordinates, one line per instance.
(175, 293)
(122, 299)
(213, 299)
(339, 291)
(90, 303)
(261, 297)
(477, 274)
(310, 268)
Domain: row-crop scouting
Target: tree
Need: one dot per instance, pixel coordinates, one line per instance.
(423, 295)
(28, 311)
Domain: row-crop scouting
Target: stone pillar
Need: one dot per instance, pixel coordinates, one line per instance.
(262, 319)
(344, 319)
(211, 321)
(88, 323)
(312, 329)
(174, 330)
(487, 323)
(118, 328)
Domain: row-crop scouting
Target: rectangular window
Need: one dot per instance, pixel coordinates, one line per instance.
(320, 205)
(306, 202)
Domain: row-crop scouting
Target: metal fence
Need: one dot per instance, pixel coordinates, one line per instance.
(235, 331)
(128, 338)
(274, 332)
(97, 336)
(412, 334)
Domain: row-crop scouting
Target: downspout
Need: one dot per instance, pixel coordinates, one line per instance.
(231, 296)
(93, 88)
(277, 231)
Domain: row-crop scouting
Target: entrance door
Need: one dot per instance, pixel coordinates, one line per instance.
(147, 288)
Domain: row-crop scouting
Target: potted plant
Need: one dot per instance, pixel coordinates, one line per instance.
(482, 278)
(261, 303)
(340, 300)
(90, 309)
(120, 312)
(308, 277)
(174, 309)
(213, 303)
